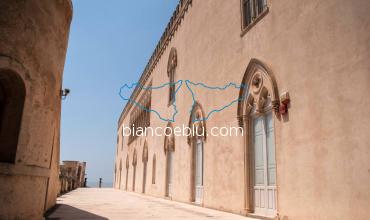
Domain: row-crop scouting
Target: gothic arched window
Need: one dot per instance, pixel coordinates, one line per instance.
(171, 70)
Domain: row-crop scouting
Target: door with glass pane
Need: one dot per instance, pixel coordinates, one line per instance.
(264, 165)
(198, 172)
(169, 173)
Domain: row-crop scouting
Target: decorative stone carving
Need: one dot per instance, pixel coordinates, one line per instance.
(259, 87)
(196, 119)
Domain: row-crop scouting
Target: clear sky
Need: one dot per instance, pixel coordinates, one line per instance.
(110, 43)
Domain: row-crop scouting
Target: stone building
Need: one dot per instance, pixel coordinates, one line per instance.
(33, 42)
(303, 108)
(72, 175)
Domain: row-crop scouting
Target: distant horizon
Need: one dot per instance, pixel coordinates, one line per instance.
(109, 45)
(96, 184)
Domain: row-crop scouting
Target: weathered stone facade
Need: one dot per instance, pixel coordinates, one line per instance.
(314, 54)
(33, 42)
(72, 175)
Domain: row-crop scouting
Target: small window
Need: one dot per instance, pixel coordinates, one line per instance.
(252, 11)
(12, 97)
(171, 72)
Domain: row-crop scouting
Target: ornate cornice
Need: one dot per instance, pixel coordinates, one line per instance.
(167, 35)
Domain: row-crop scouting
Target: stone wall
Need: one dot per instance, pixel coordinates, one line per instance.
(33, 42)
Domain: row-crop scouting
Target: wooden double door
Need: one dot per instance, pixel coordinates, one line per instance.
(263, 165)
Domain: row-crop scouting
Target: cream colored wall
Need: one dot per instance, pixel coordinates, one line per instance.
(33, 42)
(319, 52)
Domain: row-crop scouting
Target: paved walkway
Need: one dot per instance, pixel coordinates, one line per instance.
(100, 204)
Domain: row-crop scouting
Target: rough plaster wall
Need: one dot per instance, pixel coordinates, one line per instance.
(34, 35)
(22, 197)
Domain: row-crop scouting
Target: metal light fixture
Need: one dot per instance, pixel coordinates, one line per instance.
(64, 93)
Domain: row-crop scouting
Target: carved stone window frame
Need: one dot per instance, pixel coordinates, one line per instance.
(258, 95)
(169, 140)
(196, 119)
(171, 71)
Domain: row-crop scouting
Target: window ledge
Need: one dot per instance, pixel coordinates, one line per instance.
(254, 22)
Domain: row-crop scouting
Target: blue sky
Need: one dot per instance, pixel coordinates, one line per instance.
(110, 43)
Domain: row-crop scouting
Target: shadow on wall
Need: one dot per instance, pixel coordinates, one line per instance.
(66, 212)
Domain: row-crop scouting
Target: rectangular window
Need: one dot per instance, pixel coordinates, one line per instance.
(252, 10)
(247, 12)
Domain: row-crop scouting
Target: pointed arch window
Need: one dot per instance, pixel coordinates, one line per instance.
(171, 70)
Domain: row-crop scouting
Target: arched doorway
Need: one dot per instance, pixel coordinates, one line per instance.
(120, 174)
(127, 167)
(196, 142)
(154, 168)
(169, 148)
(145, 162)
(258, 108)
(12, 98)
(134, 163)
(115, 175)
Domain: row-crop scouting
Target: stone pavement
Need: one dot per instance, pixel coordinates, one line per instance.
(107, 203)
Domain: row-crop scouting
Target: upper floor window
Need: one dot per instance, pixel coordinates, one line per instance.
(171, 69)
(252, 10)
